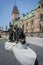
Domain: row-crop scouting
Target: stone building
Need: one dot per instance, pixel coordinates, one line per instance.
(33, 21)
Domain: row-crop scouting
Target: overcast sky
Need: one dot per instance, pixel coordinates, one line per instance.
(6, 7)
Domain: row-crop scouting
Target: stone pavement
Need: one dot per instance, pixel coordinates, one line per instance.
(35, 40)
(7, 57)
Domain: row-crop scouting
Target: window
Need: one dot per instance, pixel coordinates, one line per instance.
(23, 25)
(27, 24)
(32, 22)
(41, 17)
(23, 15)
(42, 29)
(18, 18)
(42, 5)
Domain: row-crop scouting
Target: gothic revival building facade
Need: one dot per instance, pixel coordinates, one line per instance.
(32, 22)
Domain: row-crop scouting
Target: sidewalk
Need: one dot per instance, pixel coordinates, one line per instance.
(1, 38)
(35, 40)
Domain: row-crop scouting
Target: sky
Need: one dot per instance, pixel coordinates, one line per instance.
(6, 7)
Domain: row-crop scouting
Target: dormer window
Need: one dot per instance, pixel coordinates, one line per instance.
(23, 15)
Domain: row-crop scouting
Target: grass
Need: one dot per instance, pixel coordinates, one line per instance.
(2, 39)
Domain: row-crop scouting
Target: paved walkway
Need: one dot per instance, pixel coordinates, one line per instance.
(7, 57)
(35, 40)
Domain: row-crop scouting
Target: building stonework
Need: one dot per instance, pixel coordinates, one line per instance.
(33, 21)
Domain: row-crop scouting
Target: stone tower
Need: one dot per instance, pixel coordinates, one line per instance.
(15, 13)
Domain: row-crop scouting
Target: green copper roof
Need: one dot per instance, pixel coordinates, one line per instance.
(27, 15)
(22, 18)
(15, 22)
(38, 6)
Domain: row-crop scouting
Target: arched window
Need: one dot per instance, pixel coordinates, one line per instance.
(23, 27)
(27, 23)
(32, 22)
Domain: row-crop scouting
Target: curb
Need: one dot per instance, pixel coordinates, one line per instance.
(35, 41)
